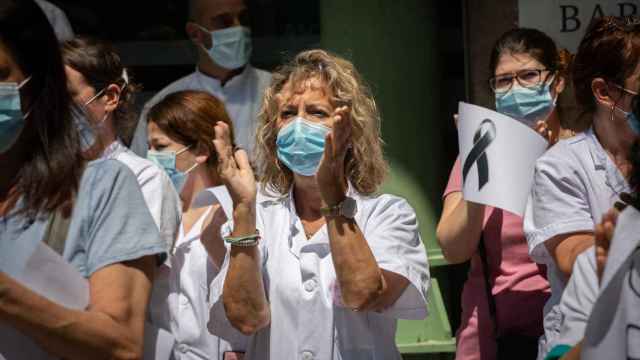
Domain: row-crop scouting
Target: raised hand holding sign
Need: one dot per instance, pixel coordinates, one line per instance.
(498, 155)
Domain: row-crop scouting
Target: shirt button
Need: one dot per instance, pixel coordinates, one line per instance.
(307, 355)
(184, 301)
(310, 285)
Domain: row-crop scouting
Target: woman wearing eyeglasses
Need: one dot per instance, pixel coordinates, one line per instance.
(504, 295)
(579, 179)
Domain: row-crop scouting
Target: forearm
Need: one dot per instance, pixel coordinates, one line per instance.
(566, 249)
(357, 270)
(459, 230)
(66, 333)
(243, 295)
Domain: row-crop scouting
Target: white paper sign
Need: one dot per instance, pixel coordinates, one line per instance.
(498, 155)
(47, 274)
(567, 20)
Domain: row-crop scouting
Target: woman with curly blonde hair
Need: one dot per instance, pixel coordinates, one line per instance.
(319, 267)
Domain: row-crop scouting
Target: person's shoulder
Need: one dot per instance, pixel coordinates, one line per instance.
(263, 74)
(104, 173)
(565, 153)
(144, 169)
(105, 167)
(262, 77)
(184, 83)
(384, 203)
(267, 197)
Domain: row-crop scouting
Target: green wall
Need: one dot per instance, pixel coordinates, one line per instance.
(392, 44)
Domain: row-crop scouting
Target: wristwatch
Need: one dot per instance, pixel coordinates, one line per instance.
(347, 208)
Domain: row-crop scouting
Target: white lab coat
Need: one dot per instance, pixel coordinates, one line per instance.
(192, 273)
(58, 20)
(575, 184)
(241, 95)
(308, 320)
(613, 331)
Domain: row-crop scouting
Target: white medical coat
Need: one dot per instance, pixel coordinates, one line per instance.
(307, 318)
(575, 184)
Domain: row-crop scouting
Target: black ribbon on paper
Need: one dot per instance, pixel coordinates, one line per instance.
(477, 155)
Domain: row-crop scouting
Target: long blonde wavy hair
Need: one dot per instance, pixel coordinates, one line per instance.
(365, 166)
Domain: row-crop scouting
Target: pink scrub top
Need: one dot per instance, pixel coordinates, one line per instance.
(520, 287)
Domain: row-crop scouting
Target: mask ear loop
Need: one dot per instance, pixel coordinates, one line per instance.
(182, 151)
(551, 81)
(23, 83)
(614, 106)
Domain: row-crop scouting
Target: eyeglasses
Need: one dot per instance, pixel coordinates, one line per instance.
(634, 97)
(527, 78)
(625, 90)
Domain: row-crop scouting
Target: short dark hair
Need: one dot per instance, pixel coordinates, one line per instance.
(532, 42)
(50, 174)
(100, 65)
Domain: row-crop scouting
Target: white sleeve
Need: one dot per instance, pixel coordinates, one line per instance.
(578, 299)
(139, 143)
(392, 233)
(557, 204)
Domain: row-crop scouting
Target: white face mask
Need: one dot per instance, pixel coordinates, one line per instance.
(231, 47)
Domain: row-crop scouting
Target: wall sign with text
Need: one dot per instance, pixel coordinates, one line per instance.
(567, 20)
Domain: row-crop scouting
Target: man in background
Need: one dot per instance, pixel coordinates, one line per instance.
(218, 29)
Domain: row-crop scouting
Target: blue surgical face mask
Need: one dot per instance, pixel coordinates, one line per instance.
(88, 132)
(231, 47)
(301, 145)
(527, 105)
(11, 117)
(167, 161)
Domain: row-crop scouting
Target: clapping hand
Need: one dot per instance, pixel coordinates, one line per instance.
(330, 176)
(234, 168)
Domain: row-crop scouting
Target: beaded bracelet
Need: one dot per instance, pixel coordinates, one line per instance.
(246, 241)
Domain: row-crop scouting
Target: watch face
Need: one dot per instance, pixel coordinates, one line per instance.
(349, 208)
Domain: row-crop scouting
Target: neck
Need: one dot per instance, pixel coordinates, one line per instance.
(107, 134)
(614, 136)
(307, 197)
(209, 68)
(199, 179)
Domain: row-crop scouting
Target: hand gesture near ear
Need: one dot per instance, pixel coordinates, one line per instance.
(234, 168)
(330, 176)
